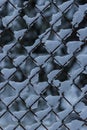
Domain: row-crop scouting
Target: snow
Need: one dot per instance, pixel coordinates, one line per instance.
(55, 125)
(79, 107)
(56, 83)
(32, 127)
(52, 75)
(8, 72)
(2, 55)
(8, 100)
(18, 34)
(72, 46)
(56, 19)
(72, 92)
(19, 128)
(34, 72)
(17, 61)
(84, 89)
(66, 85)
(49, 103)
(1, 31)
(41, 59)
(75, 73)
(2, 2)
(83, 113)
(30, 20)
(41, 7)
(2, 112)
(40, 87)
(10, 127)
(65, 6)
(34, 79)
(31, 100)
(82, 58)
(53, 101)
(41, 114)
(18, 86)
(30, 48)
(6, 20)
(84, 127)
(79, 15)
(6, 48)
(76, 124)
(62, 59)
(19, 114)
(2, 84)
(82, 34)
(44, 36)
(34, 75)
(64, 33)
(64, 113)
(51, 45)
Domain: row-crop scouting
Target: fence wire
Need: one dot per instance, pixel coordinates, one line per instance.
(43, 65)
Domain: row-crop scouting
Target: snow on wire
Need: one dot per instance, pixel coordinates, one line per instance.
(43, 65)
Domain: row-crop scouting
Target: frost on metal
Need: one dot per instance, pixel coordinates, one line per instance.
(43, 65)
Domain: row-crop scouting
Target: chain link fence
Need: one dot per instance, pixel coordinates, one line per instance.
(43, 65)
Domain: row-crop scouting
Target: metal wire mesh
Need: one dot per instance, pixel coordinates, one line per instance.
(43, 67)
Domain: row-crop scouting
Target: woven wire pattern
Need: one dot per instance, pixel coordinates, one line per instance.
(43, 65)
